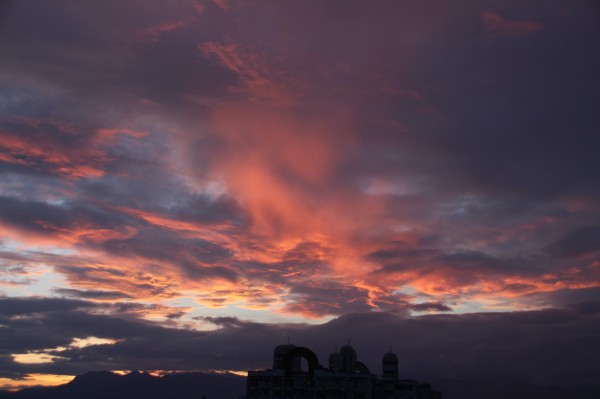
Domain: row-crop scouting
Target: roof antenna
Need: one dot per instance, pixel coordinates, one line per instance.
(289, 343)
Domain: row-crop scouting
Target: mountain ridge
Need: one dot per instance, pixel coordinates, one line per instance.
(136, 384)
(197, 385)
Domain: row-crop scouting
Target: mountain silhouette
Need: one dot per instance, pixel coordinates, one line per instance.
(105, 384)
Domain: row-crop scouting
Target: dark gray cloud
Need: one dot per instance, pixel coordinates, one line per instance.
(562, 298)
(484, 121)
(429, 306)
(92, 294)
(582, 241)
(327, 298)
(540, 347)
(223, 321)
(53, 220)
(26, 306)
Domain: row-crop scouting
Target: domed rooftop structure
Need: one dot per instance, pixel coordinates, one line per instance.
(282, 349)
(347, 350)
(279, 355)
(390, 357)
(335, 361)
(390, 370)
(348, 355)
(362, 368)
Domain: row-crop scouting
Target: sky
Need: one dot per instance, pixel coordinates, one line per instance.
(185, 184)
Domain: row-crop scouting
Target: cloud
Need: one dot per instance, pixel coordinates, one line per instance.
(174, 161)
(314, 300)
(524, 346)
(431, 306)
(61, 223)
(580, 242)
(494, 22)
(92, 294)
(264, 79)
(223, 321)
(49, 147)
(26, 306)
(153, 32)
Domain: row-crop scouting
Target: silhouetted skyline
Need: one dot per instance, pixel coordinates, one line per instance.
(297, 373)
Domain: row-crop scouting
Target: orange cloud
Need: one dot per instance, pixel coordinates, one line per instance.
(108, 136)
(35, 379)
(134, 276)
(189, 229)
(257, 76)
(247, 294)
(153, 32)
(45, 154)
(442, 282)
(57, 147)
(281, 167)
(51, 235)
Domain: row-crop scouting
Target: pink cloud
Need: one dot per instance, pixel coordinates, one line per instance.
(222, 4)
(495, 23)
(153, 32)
(60, 148)
(257, 75)
(46, 154)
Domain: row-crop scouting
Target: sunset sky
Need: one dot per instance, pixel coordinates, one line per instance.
(185, 184)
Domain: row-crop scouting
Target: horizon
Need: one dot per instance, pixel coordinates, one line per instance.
(184, 183)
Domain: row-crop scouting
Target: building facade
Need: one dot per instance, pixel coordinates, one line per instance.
(297, 374)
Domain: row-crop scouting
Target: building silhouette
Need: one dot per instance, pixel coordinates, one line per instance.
(296, 373)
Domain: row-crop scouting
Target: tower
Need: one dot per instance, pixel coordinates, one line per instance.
(390, 374)
(348, 355)
(279, 355)
(335, 361)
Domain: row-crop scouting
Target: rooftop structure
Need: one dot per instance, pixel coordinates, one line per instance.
(297, 373)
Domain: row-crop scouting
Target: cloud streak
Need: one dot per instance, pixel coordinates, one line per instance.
(495, 23)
